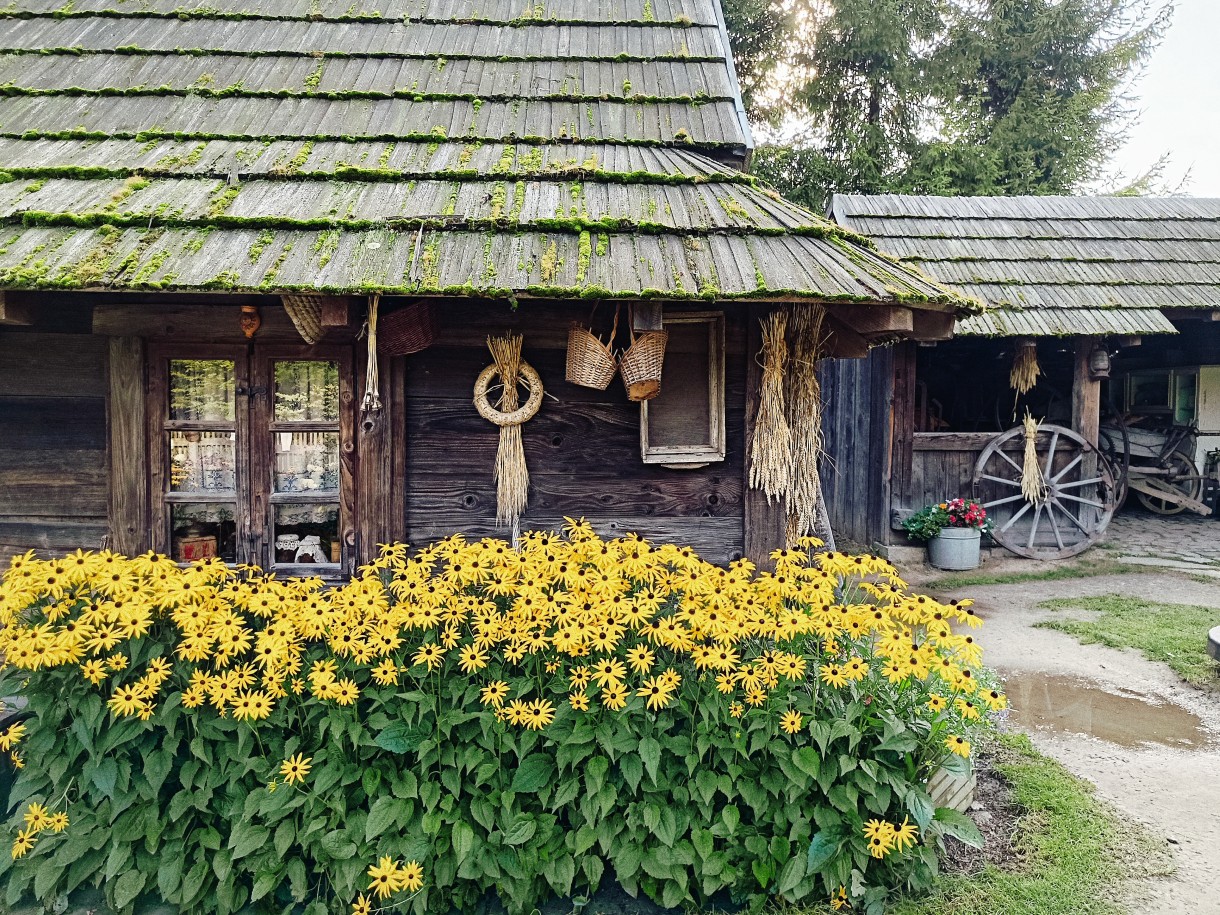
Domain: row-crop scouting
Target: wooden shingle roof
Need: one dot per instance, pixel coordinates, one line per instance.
(560, 148)
(1054, 265)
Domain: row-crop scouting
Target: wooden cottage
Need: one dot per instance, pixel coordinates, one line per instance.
(206, 208)
(1102, 289)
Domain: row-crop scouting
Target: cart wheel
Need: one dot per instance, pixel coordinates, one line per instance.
(1183, 476)
(1113, 446)
(1079, 500)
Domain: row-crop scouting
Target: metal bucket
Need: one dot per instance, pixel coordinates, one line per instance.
(955, 549)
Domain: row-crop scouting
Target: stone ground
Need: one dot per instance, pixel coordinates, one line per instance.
(1148, 741)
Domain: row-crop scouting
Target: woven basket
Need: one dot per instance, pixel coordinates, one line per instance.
(306, 314)
(590, 362)
(407, 330)
(641, 364)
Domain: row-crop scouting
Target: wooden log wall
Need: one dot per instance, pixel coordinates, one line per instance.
(582, 449)
(858, 428)
(53, 456)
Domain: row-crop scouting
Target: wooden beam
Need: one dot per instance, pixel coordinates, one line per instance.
(195, 323)
(933, 325)
(336, 311)
(764, 524)
(14, 313)
(870, 320)
(127, 424)
(646, 316)
(842, 342)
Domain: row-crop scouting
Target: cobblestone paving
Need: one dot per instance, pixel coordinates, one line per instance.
(1187, 538)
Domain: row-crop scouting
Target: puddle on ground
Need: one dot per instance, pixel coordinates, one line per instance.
(1069, 705)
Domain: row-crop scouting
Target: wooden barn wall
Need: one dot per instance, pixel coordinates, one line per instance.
(582, 449)
(53, 458)
(857, 396)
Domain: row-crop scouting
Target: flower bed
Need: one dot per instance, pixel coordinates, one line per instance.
(476, 720)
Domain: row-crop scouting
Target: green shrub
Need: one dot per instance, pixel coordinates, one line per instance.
(520, 723)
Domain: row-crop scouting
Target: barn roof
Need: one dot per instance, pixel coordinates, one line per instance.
(1054, 265)
(572, 147)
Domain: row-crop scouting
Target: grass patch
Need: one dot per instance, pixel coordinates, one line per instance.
(1076, 852)
(1053, 572)
(1175, 634)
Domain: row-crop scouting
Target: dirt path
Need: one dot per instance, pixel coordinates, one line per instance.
(1149, 742)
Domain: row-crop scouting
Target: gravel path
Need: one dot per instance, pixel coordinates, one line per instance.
(1148, 741)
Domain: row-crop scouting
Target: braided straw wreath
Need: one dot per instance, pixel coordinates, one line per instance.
(523, 413)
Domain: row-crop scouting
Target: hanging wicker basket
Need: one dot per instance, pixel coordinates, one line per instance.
(408, 330)
(306, 314)
(641, 364)
(590, 362)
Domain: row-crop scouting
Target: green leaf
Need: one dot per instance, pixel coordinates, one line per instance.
(284, 836)
(899, 743)
(264, 884)
(633, 770)
(822, 850)
(921, 807)
(105, 776)
(382, 815)
(534, 773)
(731, 817)
(169, 875)
(650, 755)
(703, 842)
(398, 738)
(156, 769)
(672, 893)
(338, 845)
(808, 761)
(960, 826)
(463, 841)
(247, 838)
(560, 873)
(127, 888)
(791, 876)
(520, 832)
(627, 861)
(956, 765)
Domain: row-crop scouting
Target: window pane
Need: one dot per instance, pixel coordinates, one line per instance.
(306, 461)
(202, 462)
(307, 533)
(681, 414)
(201, 389)
(306, 392)
(204, 530)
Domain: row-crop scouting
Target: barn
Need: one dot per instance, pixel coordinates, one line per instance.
(250, 259)
(1118, 297)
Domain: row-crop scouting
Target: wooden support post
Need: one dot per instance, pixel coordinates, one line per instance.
(1086, 393)
(764, 523)
(1086, 403)
(14, 313)
(127, 424)
(336, 311)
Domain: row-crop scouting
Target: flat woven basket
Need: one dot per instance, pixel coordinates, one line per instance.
(641, 364)
(590, 362)
(408, 330)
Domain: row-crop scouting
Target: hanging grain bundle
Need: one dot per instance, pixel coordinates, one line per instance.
(805, 419)
(511, 475)
(1025, 368)
(771, 449)
(1033, 485)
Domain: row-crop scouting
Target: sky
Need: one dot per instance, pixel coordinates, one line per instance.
(1178, 100)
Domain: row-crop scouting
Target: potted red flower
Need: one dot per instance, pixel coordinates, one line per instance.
(953, 531)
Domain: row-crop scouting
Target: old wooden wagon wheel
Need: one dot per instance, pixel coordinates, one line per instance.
(1079, 493)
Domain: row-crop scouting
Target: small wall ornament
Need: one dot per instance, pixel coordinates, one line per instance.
(511, 474)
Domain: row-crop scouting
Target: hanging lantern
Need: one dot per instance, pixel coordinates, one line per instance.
(1099, 363)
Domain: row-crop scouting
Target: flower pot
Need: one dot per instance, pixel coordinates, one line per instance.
(955, 549)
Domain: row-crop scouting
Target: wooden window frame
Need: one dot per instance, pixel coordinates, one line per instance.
(254, 429)
(695, 455)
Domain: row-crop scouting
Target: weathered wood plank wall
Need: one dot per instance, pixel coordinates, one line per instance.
(582, 448)
(53, 457)
(857, 428)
